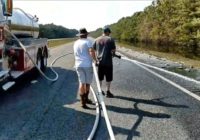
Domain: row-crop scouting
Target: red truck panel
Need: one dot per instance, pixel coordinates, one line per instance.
(20, 60)
(0, 53)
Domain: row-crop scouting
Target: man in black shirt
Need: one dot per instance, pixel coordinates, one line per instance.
(104, 47)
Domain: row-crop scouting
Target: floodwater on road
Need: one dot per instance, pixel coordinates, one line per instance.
(192, 73)
(173, 67)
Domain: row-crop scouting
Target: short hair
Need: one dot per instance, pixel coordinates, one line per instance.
(106, 30)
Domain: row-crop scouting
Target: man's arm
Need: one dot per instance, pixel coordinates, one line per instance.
(113, 46)
(92, 54)
(114, 50)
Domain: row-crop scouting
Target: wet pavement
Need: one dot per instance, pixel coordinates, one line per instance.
(161, 63)
(144, 108)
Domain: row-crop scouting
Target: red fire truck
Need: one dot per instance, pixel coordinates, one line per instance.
(20, 47)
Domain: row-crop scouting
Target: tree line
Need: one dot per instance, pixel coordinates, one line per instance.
(52, 31)
(174, 24)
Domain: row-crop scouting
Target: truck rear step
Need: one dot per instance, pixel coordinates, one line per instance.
(16, 74)
(2, 73)
(8, 85)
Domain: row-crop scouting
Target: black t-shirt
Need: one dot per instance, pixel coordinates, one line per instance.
(103, 46)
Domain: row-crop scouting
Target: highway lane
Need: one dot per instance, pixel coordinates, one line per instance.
(144, 108)
(41, 110)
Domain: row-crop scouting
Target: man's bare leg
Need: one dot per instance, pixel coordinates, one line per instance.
(109, 94)
(108, 86)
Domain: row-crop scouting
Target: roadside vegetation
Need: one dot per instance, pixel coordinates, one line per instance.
(188, 62)
(57, 42)
(57, 35)
(172, 25)
(52, 31)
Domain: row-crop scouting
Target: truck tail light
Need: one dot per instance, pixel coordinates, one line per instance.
(12, 52)
(1, 34)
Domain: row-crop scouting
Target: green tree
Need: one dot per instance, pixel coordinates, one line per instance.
(165, 22)
(52, 31)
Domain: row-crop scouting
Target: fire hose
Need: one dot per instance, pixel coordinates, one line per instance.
(98, 113)
(100, 96)
(99, 99)
(41, 72)
(109, 127)
(56, 78)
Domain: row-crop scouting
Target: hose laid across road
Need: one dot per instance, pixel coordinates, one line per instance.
(41, 72)
(98, 113)
(109, 127)
(95, 96)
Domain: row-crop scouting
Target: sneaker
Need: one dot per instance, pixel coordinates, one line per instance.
(109, 94)
(103, 93)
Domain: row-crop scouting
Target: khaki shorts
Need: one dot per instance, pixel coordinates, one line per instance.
(85, 74)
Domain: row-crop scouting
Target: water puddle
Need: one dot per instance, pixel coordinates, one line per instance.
(192, 73)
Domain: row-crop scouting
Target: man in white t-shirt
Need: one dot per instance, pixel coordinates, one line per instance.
(84, 55)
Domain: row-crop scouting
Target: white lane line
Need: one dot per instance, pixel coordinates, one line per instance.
(165, 79)
(171, 73)
(168, 72)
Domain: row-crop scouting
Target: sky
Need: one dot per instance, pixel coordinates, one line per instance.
(78, 14)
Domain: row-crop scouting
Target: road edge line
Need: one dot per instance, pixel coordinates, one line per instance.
(165, 79)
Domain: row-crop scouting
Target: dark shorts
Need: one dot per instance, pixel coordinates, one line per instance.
(106, 71)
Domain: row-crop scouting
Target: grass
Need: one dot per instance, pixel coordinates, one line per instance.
(57, 42)
(195, 63)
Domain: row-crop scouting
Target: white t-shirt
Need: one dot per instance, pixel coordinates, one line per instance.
(81, 53)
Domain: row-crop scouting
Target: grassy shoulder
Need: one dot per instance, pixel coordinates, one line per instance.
(170, 56)
(57, 42)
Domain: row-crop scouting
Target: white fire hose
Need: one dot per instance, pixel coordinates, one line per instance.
(98, 113)
(41, 72)
(109, 127)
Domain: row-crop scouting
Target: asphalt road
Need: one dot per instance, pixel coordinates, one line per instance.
(144, 108)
